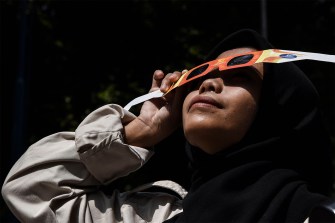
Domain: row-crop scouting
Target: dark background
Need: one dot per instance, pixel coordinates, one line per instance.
(61, 60)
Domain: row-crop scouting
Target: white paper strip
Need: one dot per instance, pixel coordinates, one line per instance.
(313, 56)
(154, 94)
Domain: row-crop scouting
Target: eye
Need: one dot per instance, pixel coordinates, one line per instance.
(195, 84)
(240, 75)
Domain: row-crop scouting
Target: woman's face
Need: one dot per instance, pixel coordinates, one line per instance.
(220, 108)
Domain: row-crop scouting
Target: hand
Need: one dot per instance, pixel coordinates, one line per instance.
(158, 117)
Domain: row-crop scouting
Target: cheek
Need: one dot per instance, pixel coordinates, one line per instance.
(243, 111)
(240, 108)
(186, 103)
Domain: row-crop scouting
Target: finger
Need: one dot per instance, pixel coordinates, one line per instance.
(180, 92)
(169, 80)
(157, 80)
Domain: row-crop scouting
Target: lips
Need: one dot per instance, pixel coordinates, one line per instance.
(204, 101)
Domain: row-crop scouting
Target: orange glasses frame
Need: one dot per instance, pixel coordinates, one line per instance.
(221, 64)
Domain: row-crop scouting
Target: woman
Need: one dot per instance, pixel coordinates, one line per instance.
(256, 145)
(281, 167)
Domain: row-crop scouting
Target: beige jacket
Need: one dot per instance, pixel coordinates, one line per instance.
(58, 177)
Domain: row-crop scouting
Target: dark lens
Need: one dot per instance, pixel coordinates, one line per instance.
(197, 71)
(240, 60)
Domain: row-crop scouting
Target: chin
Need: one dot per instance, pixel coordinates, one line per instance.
(209, 149)
(211, 139)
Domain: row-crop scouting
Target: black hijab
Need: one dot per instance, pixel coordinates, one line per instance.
(282, 167)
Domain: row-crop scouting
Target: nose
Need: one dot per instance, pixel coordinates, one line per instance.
(211, 84)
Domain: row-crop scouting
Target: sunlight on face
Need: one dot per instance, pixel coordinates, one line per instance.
(220, 107)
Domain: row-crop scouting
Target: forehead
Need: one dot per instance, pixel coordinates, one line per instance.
(258, 66)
